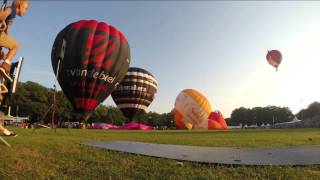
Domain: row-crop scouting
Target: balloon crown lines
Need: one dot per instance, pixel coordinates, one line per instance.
(91, 73)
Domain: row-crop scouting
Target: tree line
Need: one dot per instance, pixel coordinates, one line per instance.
(260, 115)
(35, 101)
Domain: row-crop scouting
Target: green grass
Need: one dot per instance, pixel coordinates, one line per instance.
(49, 155)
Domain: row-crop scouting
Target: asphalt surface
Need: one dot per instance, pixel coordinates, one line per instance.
(304, 155)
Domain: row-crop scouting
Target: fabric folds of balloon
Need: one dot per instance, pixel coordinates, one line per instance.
(216, 121)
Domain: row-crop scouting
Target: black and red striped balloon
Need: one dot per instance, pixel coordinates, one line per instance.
(94, 58)
(136, 92)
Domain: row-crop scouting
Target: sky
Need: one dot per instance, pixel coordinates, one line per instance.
(215, 47)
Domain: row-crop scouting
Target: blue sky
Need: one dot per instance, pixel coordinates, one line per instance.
(215, 47)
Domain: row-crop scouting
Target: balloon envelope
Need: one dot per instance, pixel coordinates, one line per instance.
(216, 121)
(178, 120)
(191, 110)
(136, 92)
(91, 59)
(274, 58)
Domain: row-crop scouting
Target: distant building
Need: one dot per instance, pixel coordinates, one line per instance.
(15, 121)
(313, 122)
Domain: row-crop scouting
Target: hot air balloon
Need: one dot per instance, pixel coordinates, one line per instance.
(216, 121)
(135, 93)
(274, 58)
(90, 59)
(191, 110)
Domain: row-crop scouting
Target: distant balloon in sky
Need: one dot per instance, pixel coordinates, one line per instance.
(136, 92)
(274, 58)
(216, 121)
(91, 58)
(191, 110)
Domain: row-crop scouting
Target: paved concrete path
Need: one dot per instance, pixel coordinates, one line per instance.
(306, 155)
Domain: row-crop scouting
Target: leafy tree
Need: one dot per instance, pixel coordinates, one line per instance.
(312, 110)
(260, 115)
(32, 100)
(64, 109)
(240, 116)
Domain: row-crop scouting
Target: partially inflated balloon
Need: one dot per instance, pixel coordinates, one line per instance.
(274, 58)
(216, 121)
(136, 92)
(178, 120)
(191, 110)
(92, 58)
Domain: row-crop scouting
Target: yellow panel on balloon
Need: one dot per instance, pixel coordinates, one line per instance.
(199, 98)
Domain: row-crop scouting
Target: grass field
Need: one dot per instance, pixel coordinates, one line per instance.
(48, 155)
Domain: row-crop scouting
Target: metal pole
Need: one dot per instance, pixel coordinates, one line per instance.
(273, 120)
(53, 110)
(54, 98)
(301, 110)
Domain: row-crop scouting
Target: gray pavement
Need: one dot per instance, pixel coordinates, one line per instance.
(305, 155)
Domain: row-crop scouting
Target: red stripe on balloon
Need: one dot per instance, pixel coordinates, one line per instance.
(107, 64)
(123, 39)
(90, 41)
(92, 24)
(85, 103)
(97, 40)
(118, 34)
(113, 31)
(102, 26)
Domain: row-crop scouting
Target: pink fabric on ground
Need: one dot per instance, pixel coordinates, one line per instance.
(128, 126)
(136, 126)
(103, 126)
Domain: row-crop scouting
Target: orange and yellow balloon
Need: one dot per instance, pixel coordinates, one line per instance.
(191, 110)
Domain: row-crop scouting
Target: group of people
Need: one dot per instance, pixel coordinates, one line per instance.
(7, 16)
